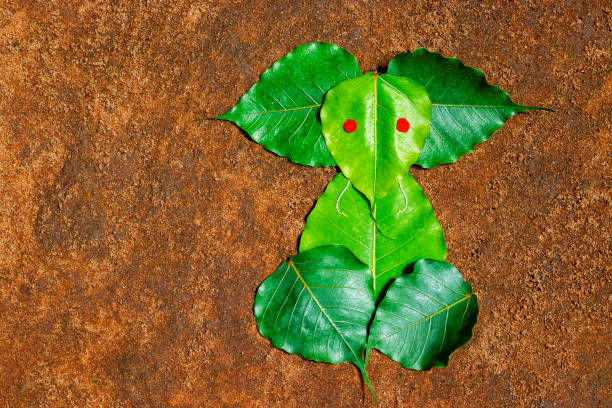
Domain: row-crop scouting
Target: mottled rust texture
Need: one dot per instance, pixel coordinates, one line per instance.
(131, 245)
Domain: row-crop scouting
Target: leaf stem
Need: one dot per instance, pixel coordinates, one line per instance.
(200, 119)
(367, 382)
(368, 351)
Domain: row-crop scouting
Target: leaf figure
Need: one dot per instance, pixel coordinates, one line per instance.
(380, 150)
(318, 305)
(342, 216)
(280, 111)
(466, 110)
(425, 316)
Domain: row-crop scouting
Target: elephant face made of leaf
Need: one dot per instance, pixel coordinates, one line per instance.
(375, 127)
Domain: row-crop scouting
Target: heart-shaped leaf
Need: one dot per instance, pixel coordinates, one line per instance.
(375, 127)
(425, 316)
(342, 216)
(466, 110)
(280, 111)
(318, 305)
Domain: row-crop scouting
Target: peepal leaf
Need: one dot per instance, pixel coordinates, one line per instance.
(425, 316)
(376, 154)
(342, 216)
(318, 305)
(466, 110)
(280, 111)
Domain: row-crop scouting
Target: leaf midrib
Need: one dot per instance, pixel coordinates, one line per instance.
(375, 140)
(357, 358)
(373, 267)
(280, 110)
(472, 106)
(424, 318)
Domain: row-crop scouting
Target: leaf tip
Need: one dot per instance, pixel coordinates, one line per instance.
(366, 380)
(202, 119)
(537, 108)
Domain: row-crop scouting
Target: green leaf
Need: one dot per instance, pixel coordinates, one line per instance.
(425, 316)
(376, 155)
(280, 111)
(318, 305)
(466, 110)
(342, 216)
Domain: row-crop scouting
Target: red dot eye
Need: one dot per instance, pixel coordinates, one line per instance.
(350, 126)
(402, 125)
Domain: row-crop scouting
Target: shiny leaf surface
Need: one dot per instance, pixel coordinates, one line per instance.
(280, 111)
(425, 316)
(342, 216)
(466, 110)
(376, 155)
(318, 305)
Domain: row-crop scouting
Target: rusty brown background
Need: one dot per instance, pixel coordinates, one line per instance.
(131, 245)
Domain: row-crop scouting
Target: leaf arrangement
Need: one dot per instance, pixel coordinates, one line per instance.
(370, 272)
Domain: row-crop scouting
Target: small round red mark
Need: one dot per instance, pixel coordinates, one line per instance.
(350, 126)
(402, 125)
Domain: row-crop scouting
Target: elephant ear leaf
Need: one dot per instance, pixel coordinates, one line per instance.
(280, 111)
(425, 316)
(466, 110)
(318, 305)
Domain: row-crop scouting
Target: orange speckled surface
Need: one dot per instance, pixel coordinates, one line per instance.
(131, 245)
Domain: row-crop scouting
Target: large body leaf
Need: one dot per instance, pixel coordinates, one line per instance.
(318, 305)
(425, 316)
(280, 111)
(375, 155)
(466, 110)
(342, 216)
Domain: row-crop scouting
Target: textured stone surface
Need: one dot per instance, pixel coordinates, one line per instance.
(131, 245)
